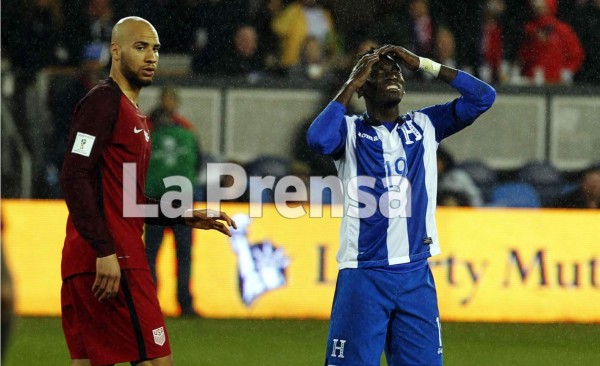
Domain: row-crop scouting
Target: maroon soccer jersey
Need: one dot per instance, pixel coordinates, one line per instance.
(107, 131)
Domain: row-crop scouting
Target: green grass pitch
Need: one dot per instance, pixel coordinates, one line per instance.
(233, 342)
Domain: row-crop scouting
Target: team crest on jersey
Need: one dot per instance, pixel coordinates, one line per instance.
(261, 266)
(408, 129)
(159, 336)
(338, 348)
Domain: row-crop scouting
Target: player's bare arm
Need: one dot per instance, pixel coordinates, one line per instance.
(108, 277)
(358, 77)
(413, 62)
(210, 220)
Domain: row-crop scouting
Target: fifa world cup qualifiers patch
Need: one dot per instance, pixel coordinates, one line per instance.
(428, 241)
(83, 144)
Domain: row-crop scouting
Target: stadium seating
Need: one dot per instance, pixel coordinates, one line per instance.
(267, 165)
(545, 178)
(484, 177)
(515, 194)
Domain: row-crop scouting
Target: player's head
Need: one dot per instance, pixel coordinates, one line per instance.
(418, 8)
(134, 50)
(245, 41)
(590, 183)
(385, 85)
(544, 7)
(169, 98)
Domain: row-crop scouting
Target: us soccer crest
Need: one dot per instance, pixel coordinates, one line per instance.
(261, 266)
(159, 336)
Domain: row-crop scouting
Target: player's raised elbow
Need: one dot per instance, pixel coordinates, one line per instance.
(485, 100)
(470, 107)
(488, 97)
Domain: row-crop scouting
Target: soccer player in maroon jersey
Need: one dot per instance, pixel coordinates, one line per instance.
(110, 309)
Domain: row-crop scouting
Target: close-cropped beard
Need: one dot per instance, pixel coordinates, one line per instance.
(133, 78)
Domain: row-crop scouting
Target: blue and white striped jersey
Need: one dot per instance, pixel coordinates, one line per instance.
(389, 174)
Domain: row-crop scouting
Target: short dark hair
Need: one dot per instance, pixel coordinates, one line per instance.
(390, 56)
(360, 55)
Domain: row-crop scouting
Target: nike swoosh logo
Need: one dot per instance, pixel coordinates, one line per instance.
(135, 130)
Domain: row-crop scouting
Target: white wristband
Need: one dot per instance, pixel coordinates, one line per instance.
(429, 66)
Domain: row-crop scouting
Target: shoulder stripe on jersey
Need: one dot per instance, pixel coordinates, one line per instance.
(346, 167)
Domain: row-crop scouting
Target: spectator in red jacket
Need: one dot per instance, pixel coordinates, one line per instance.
(551, 52)
(494, 67)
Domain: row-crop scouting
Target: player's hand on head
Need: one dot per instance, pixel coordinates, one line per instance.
(108, 277)
(408, 59)
(362, 69)
(211, 220)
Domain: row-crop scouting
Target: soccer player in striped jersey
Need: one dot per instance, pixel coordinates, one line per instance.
(385, 298)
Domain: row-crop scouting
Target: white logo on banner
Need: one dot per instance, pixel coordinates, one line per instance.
(261, 266)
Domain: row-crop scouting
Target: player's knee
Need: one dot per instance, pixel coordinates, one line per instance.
(161, 361)
(81, 363)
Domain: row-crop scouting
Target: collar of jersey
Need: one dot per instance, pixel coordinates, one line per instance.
(375, 122)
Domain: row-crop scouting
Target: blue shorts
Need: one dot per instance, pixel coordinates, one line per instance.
(376, 310)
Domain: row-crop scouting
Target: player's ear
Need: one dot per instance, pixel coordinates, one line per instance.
(115, 51)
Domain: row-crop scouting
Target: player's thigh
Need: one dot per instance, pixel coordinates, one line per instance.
(73, 327)
(414, 334)
(359, 318)
(149, 324)
(124, 329)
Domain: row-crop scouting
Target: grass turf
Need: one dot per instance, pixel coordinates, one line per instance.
(211, 342)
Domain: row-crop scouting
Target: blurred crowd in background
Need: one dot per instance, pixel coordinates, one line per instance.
(510, 42)
(501, 41)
